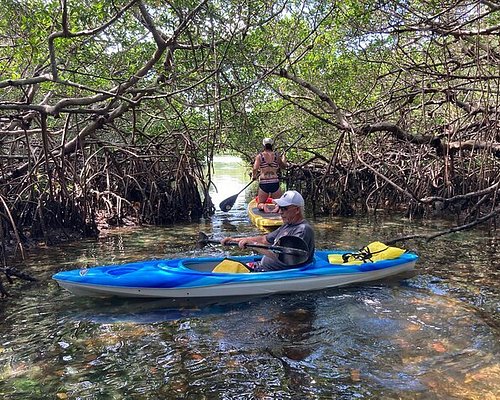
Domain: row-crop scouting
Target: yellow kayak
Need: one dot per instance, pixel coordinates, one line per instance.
(261, 219)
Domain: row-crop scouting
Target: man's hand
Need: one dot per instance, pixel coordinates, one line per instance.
(228, 239)
(242, 243)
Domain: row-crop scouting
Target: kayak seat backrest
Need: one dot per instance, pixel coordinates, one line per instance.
(375, 251)
(228, 266)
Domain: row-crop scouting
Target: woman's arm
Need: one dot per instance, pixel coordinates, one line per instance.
(282, 161)
(256, 167)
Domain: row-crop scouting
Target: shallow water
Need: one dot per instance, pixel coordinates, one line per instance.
(433, 334)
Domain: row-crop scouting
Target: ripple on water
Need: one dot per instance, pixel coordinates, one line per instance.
(429, 336)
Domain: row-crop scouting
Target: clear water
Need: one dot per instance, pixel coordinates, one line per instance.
(430, 335)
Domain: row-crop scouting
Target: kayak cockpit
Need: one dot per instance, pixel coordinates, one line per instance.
(200, 266)
(207, 264)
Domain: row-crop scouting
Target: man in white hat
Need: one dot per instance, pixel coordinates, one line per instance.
(266, 166)
(291, 208)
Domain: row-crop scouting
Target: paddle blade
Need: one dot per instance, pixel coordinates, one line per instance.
(203, 240)
(299, 256)
(226, 205)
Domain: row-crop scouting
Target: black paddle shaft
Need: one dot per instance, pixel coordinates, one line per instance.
(291, 250)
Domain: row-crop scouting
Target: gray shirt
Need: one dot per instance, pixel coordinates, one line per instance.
(302, 230)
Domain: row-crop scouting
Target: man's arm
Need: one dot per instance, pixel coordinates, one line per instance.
(242, 242)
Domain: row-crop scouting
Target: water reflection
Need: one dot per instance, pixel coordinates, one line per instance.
(373, 340)
(432, 335)
(140, 311)
(230, 179)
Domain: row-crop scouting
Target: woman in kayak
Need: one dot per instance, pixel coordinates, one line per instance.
(291, 208)
(266, 166)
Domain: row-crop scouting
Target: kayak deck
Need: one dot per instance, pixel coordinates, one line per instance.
(261, 219)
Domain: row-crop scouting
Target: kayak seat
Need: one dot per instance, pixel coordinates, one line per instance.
(375, 251)
(228, 266)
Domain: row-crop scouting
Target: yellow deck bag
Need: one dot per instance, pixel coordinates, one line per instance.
(375, 251)
(337, 259)
(228, 266)
(380, 251)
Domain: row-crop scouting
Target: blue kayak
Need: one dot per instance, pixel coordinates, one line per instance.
(193, 277)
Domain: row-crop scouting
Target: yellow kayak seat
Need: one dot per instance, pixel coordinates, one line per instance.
(228, 266)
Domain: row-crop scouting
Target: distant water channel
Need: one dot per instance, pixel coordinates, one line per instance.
(430, 335)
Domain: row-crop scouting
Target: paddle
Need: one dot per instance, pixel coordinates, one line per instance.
(291, 250)
(227, 204)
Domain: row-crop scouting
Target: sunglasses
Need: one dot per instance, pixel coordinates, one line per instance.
(284, 208)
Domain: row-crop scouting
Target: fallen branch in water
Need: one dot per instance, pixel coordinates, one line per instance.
(10, 272)
(428, 238)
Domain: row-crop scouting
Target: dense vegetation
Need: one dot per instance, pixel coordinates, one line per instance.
(111, 111)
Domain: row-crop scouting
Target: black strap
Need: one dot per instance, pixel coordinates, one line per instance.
(364, 254)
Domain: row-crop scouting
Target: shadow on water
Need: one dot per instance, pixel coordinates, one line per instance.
(140, 311)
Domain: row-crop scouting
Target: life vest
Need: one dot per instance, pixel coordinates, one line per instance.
(269, 200)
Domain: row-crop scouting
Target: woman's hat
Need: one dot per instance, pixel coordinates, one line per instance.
(267, 140)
